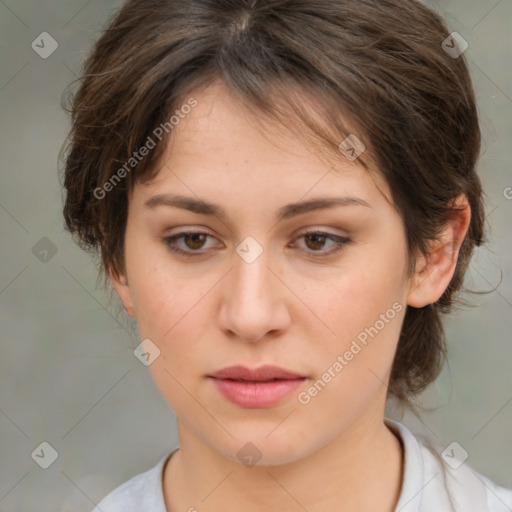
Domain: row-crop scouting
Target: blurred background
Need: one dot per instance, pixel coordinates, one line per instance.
(68, 375)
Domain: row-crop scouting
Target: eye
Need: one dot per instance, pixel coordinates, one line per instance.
(317, 240)
(194, 241)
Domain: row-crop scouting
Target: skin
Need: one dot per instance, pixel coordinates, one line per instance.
(286, 308)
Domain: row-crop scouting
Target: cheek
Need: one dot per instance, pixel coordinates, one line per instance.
(352, 366)
(171, 312)
(364, 310)
(357, 300)
(159, 295)
(166, 305)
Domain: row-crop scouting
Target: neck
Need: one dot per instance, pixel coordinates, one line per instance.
(360, 470)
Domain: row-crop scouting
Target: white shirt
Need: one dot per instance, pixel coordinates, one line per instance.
(424, 488)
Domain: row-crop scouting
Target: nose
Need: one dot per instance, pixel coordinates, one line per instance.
(254, 300)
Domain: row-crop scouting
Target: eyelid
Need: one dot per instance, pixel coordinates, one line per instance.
(339, 242)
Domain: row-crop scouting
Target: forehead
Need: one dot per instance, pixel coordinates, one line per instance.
(226, 149)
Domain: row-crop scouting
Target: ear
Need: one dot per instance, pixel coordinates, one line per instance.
(435, 270)
(120, 283)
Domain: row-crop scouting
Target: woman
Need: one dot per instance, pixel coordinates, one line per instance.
(283, 194)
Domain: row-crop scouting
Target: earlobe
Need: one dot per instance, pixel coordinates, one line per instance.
(436, 269)
(122, 287)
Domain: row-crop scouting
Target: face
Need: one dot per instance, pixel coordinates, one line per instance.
(320, 293)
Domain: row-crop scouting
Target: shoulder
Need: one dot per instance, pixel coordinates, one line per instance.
(465, 487)
(438, 479)
(142, 492)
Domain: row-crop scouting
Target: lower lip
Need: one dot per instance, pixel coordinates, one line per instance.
(257, 394)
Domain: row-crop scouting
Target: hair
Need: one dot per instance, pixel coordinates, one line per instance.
(377, 66)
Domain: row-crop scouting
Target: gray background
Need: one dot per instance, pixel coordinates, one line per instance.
(68, 375)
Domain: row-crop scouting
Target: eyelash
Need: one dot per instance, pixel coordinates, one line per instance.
(340, 242)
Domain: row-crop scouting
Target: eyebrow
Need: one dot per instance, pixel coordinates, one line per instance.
(286, 212)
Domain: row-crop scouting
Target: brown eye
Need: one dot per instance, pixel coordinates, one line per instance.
(192, 244)
(315, 241)
(197, 240)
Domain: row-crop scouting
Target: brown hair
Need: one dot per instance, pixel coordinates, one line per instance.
(376, 64)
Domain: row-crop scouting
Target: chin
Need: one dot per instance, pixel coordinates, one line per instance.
(260, 446)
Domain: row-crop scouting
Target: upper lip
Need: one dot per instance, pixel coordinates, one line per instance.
(263, 373)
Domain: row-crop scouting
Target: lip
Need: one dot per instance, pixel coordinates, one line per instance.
(261, 387)
(265, 372)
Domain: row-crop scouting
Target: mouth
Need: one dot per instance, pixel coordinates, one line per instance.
(262, 387)
(261, 374)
